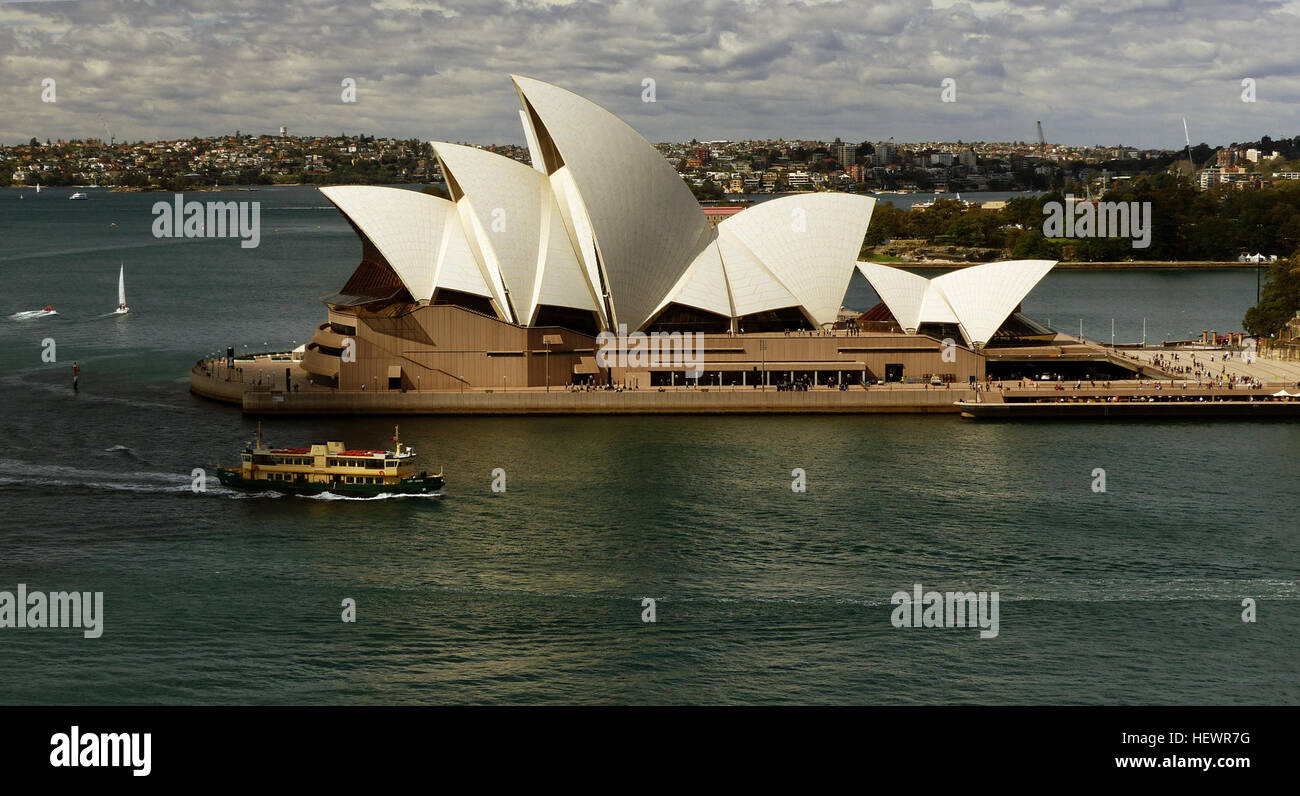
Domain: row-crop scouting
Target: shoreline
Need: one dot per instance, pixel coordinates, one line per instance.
(1005, 400)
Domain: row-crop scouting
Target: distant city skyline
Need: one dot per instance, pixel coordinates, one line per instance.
(1097, 74)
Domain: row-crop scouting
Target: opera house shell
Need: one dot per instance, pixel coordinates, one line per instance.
(509, 280)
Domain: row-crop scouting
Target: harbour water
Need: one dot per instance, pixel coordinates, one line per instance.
(534, 595)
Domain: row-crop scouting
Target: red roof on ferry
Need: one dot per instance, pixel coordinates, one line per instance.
(361, 453)
(294, 451)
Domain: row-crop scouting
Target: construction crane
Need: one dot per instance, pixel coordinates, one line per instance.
(1042, 154)
(111, 140)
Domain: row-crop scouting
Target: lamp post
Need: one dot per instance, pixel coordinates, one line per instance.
(548, 364)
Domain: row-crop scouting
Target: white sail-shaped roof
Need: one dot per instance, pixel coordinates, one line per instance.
(420, 236)
(977, 298)
(646, 225)
(457, 267)
(602, 223)
(753, 287)
(577, 225)
(561, 279)
(982, 296)
(809, 242)
(406, 227)
(704, 285)
(902, 291)
(511, 206)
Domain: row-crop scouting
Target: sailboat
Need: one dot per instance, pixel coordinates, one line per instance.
(122, 309)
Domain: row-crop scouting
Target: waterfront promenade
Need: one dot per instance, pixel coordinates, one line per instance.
(895, 398)
(1267, 371)
(270, 398)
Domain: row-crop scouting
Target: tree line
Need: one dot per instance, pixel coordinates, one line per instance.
(1187, 224)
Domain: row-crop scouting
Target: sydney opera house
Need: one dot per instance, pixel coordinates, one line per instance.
(508, 282)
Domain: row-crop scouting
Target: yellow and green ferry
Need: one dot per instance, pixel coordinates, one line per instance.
(329, 467)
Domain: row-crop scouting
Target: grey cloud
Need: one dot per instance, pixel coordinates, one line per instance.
(1115, 71)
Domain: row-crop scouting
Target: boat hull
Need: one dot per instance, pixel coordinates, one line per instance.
(425, 485)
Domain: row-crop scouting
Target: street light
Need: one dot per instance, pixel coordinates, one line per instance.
(549, 340)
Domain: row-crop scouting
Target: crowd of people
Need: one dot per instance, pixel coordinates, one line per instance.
(1201, 370)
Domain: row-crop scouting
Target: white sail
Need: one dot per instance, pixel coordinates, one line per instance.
(121, 286)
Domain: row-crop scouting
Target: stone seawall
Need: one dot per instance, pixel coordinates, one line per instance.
(602, 403)
(535, 401)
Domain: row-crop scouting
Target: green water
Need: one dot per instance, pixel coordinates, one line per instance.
(534, 594)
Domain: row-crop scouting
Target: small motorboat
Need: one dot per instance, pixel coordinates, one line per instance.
(31, 314)
(79, 195)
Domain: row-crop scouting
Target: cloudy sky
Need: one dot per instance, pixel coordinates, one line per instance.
(1108, 71)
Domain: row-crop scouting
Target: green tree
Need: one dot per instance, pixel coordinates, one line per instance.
(1278, 301)
(709, 191)
(1031, 245)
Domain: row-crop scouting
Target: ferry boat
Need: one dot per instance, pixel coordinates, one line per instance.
(329, 467)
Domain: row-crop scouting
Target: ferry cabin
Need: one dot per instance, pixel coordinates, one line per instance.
(327, 464)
